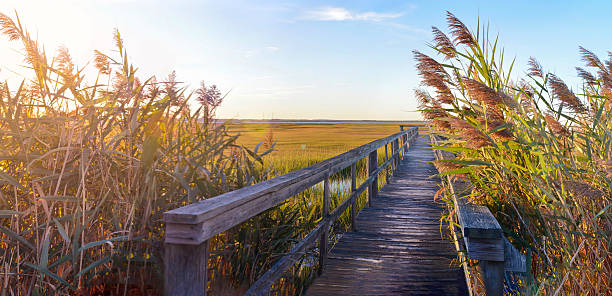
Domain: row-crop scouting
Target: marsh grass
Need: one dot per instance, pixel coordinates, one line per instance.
(89, 164)
(535, 152)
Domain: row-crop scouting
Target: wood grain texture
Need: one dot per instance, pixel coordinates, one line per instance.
(398, 248)
(185, 269)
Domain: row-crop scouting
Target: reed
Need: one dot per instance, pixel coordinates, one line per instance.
(536, 153)
(89, 164)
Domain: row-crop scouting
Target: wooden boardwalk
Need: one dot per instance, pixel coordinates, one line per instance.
(397, 248)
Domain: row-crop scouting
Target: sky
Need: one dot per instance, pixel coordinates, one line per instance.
(304, 59)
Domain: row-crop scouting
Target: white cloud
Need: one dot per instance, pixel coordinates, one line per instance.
(272, 48)
(342, 14)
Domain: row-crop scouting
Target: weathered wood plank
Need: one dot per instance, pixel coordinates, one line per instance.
(397, 248)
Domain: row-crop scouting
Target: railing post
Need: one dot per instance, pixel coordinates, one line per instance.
(354, 203)
(323, 241)
(492, 276)
(372, 165)
(387, 158)
(396, 156)
(186, 269)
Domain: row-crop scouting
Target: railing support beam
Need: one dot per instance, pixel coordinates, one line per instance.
(493, 276)
(372, 166)
(186, 269)
(354, 203)
(324, 240)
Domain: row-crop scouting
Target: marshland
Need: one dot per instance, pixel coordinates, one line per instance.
(93, 154)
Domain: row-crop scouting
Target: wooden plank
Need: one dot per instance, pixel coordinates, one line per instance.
(485, 248)
(513, 259)
(398, 249)
(477, 221)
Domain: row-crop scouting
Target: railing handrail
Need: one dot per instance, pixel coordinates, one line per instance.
(188, 228)
(482, 238)
(220, 206)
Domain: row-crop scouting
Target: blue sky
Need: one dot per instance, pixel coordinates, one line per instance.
(306, 59)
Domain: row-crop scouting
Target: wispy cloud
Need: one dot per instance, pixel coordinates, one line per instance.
(342, 14)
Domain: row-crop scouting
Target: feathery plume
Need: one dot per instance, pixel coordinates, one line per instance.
(64, 60)
(444, 166)
(535, 69)
(609, 62)
(459, 31)
(586, 76)
(433, 113)
(422, 97)
(425, 64)
(434, 75)
(556, 127)
(8, 28)
(590, 58)
(441, 124)
(562, 92)
(102, 62)
(442, 43)
(474, 138)
(487, 95)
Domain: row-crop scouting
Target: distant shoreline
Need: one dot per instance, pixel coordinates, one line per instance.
(412, 122)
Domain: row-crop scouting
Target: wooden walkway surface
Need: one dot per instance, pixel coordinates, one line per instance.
(397, 248)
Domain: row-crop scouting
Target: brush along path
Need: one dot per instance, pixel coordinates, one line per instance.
(397, 248)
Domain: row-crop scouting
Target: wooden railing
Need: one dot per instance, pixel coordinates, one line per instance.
(481, 238)
(189, 228)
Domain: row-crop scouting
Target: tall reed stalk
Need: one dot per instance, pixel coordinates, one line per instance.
(536, 153)
(89, 164)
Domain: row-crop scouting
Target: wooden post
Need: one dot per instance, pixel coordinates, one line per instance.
(323, 241)
(186, 269)
(372, 165)
(493, 276)
(387, 158)
(397, 156)
(354, 203)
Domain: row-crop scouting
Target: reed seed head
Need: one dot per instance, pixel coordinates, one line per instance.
(535, 69)
(565, 95)
(556, 127)
(590, 58)
(458, 30)
(586, 76)
(487, 95)
(443, 43)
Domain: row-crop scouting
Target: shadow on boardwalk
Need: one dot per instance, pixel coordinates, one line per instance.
(397, 248)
